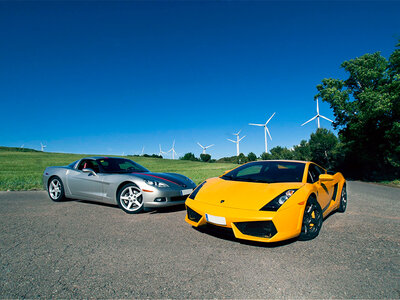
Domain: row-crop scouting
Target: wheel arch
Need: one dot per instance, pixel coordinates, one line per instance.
(51, 178)
(301, 215)
(121, 185)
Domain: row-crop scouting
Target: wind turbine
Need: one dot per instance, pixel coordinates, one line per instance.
(161, 152)
(265, 131)
(204, 148)
(237, 141)
(22, 146)
(173, 150)
(42, 146)
(317, 117)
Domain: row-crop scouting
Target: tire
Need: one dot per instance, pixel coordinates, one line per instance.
(312, 220)
(343, 200)
(130, 199)
(55, 189)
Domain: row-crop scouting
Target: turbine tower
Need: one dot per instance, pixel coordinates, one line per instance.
(237, 141)
(173, 150)
(265, 131)
(317, 117)
(161, 152)
(142, 151)
(42, 146)
(204, 148)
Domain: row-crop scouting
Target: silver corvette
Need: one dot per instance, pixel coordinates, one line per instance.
(116, 180)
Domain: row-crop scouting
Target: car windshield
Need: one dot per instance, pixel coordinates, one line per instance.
(267, 172)
(120, 165)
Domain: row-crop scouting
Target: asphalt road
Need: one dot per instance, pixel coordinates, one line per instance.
(79, 249)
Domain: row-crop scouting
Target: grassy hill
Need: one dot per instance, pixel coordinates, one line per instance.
(22, 170)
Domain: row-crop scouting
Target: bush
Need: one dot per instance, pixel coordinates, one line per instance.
(188, 156)
(205, 157)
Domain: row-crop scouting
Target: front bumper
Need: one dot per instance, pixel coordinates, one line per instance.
(260, 226)
(164, 198)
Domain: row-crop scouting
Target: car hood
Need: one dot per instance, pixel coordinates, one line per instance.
(169, 178)
(242, 195)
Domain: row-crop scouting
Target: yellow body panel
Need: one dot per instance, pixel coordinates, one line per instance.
(238, 201)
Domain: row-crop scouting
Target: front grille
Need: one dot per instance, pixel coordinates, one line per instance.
(218, 230)
(192, 215)
(264, 229)
(179, 198)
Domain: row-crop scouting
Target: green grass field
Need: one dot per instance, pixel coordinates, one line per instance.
(22, 170)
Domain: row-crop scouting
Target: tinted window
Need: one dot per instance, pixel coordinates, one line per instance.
(313, 173)
(72, 165)
(120, 165)
(268, 172)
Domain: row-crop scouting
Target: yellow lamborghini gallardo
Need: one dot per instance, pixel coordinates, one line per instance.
(268, 201)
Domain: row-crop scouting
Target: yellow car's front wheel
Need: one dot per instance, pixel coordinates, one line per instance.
(312, 220)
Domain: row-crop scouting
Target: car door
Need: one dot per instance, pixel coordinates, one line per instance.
(86, 185)
(323, 191)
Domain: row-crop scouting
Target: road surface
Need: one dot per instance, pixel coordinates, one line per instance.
(81, 249)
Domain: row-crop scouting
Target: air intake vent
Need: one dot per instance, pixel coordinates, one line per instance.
(192, 215)
(264, 229)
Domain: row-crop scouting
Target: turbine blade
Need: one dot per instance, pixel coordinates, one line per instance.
(209, 146)
(242, 138)
(268, 132)
(313, 118)
(317, 107)
(326, 118)
(238, 132)
(231, 141)
(256, 124)
(200, 145)
(270, 118)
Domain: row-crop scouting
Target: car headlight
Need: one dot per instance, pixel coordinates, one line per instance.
(196, 190)
(156, 183)
(277, 202)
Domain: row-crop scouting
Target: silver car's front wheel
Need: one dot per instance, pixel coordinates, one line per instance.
(130, 199)
(56, 189)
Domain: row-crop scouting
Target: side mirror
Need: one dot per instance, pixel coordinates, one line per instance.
(325, 177)
(89, 171)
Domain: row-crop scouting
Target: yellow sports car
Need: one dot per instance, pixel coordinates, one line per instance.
(268, 201)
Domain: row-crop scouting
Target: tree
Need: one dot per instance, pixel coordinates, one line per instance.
(367, 112)
(265, 156)
(302, 151)
(323, 145)
(189, 156)
(279, 152)
(205, 157)
(252, 156)
(241, 159)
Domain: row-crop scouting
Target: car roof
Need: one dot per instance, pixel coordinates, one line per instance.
(288, 160)
(100, 157)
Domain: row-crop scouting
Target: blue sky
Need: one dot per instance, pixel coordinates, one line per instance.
(112, 77)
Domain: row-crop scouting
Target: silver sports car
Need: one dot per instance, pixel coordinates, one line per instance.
(116, 180)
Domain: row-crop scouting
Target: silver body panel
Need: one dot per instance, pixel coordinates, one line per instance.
(104, 187)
